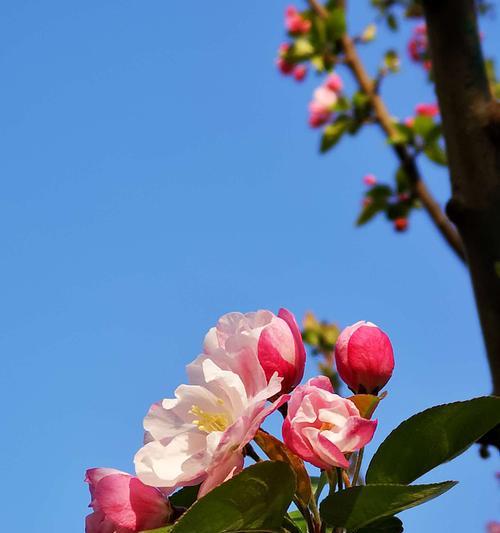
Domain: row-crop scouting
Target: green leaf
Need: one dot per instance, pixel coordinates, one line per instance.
(336, 24)
(368, 212)
(298, 520)
(357, 507)
(386, 525)
(185, 497)
(423, 126)
(431, 438)
(257, 498)
(435, 153)
(333, 133)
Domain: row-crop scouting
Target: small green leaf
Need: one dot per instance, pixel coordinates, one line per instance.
(435, 153)
(423, 126)
(357, 507)
(257, 498)
(386, 525)
(368, 212)
(431, 438)
(298, 520)
(333, 133)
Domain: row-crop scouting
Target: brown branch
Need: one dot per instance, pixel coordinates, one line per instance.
(383, 117)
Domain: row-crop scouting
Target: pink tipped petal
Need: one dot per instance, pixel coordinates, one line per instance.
(129, 503)
(231, 465)
(320, 426)
(98, 523)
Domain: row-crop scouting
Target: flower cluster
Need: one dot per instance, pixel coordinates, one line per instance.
(295, 23)
(324, 100)
(287, 67)
(251, 365)
(418, 46)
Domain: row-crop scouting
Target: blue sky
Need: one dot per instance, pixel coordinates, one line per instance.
(157, 172)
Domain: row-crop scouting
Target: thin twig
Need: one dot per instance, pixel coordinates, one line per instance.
(369, 87)
(357, 468)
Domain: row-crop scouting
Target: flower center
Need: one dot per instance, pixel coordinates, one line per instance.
(325, 426)
(209, 422)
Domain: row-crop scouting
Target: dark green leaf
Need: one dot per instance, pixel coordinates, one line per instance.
(335, 24)
(185, 497)
(256, 498)
(368, 212)
(392, 22)
(386, 525)
(431, 438)
(435, 153)
(357, 507)
(333, 133)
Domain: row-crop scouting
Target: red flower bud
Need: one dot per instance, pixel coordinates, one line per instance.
(364, 357)
(401, 224)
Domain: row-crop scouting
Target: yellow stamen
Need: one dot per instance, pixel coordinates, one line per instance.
(209, 422)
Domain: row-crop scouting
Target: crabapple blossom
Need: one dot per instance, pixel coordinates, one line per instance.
(334, 83)
(199, 436)
(320, 426)
(123, 504)
(364, 357)
(295, 23)
(275, 339)
(370, 180)
(299, 72)
(427, 110)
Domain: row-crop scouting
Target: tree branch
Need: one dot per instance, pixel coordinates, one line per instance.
(471, 131)
(383, 117)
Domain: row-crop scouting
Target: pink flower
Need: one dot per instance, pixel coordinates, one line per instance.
(493, 527)
(276, 341)
(284, 66)
(200, 435)
(123, 504)
(427, 110)
(370, 180)
(409, 122)
(321, 427)
(299, 72)
(364, 357)
(334, 83)
(295, 23)
(418, 46)
(321, 106)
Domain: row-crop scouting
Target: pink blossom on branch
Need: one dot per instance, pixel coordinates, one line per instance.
(334, 83)
(321, 426)
(295, 23)
(299, 72)
(200, 435)
(370, 180)
(427, 110)
(275, 339)
(364, 357)
(123, 504)
(493, 527)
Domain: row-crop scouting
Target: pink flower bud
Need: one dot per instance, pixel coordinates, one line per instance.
(299, 72)
(370, 180)
(427, 110)
(295, 23)
(364, 357)
(401, 224)
(121, 502)
(334, 83)
(284, 66)
(493, 527)
(320, 426)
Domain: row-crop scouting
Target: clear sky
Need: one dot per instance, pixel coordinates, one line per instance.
(156, 173)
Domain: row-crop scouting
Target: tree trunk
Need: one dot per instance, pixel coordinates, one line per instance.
(471, 122)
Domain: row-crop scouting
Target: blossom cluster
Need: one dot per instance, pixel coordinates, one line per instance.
(418, 46)
(251, 365)
(324, 100)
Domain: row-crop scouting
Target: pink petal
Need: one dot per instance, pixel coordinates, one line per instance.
(127, 502)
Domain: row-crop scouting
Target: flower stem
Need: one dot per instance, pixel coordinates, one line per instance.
(357, 468)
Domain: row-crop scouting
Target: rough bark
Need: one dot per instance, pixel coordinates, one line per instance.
(472, 134)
